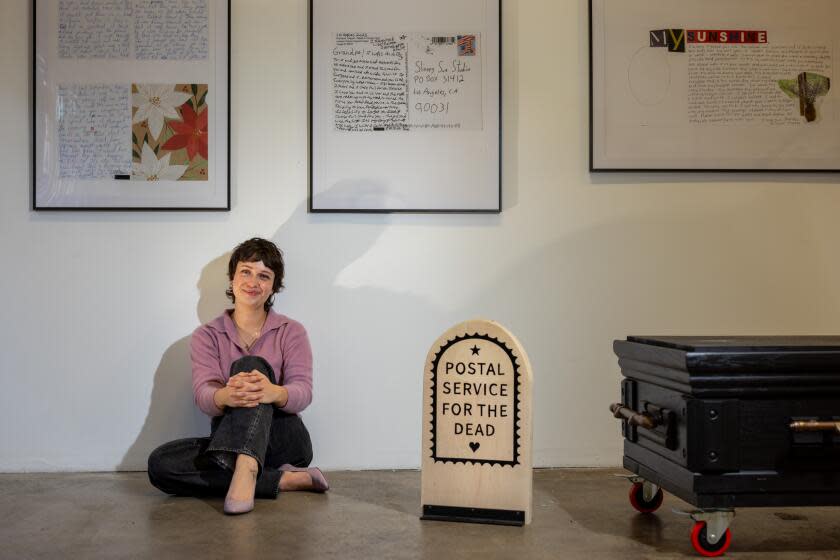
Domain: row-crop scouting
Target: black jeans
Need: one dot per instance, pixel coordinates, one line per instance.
(204, 466)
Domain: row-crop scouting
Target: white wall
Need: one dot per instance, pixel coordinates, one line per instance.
(98, 307)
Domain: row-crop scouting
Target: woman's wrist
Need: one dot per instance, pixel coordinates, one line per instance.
(282, 397)
(220, 397)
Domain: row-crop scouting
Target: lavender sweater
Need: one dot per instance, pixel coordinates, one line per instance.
(282, 343)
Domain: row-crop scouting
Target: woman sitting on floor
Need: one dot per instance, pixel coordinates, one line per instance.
(252, 374)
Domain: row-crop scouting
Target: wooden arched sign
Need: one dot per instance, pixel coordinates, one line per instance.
(476, 441)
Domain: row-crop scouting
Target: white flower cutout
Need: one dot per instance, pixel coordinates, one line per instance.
(156, 101)
(151, 168)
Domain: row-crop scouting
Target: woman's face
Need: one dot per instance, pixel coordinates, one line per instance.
(252, 283)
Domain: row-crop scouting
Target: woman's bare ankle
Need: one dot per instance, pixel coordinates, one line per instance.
(244, 479)
(247, 463)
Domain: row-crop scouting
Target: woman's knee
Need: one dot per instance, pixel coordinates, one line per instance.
(249, 363)
(158, 468)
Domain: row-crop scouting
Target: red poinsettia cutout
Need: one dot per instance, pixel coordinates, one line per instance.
(191, 133)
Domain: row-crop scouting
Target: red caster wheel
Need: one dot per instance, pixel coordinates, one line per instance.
(637, 499)
(702, 545)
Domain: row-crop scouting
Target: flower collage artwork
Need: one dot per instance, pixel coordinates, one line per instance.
(169, 132)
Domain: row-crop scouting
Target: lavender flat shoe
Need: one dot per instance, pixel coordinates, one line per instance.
(237, 507)
(319, 481)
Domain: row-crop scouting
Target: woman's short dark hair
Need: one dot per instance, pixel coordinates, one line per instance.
(253, 250)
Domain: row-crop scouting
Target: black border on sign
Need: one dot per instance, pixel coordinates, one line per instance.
(311, 209)
(516, 419)
(35, 207)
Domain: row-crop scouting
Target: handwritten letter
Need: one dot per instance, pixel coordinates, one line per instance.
(94, 28)
(369, 82)
(739, 84)
(171, 30)
(94, 131)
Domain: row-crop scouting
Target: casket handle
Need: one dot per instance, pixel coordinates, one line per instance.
(641, 419)
(814, 426)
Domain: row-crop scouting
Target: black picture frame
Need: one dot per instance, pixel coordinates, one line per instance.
(599, 77)
(221, 201)
(313, 205)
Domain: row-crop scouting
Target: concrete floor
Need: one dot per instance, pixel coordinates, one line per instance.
(578, 513)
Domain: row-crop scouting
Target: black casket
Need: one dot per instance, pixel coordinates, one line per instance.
(726, 406)
(732, 421)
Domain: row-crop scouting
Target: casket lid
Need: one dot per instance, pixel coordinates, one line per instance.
(734, 365)
(769, 344)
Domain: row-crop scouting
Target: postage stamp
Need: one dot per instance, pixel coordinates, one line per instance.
(466, 45)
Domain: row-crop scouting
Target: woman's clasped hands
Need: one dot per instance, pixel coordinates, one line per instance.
(248, 389)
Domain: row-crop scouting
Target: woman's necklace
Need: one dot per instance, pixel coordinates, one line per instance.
(247, 339)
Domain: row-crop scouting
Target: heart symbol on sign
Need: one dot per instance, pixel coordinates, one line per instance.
(474, 445)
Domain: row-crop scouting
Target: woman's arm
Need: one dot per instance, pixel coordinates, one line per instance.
(207, 378)
(297, 369)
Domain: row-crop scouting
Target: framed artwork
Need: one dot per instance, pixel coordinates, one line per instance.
(405, 106)
(714, 85)
(131, 105)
